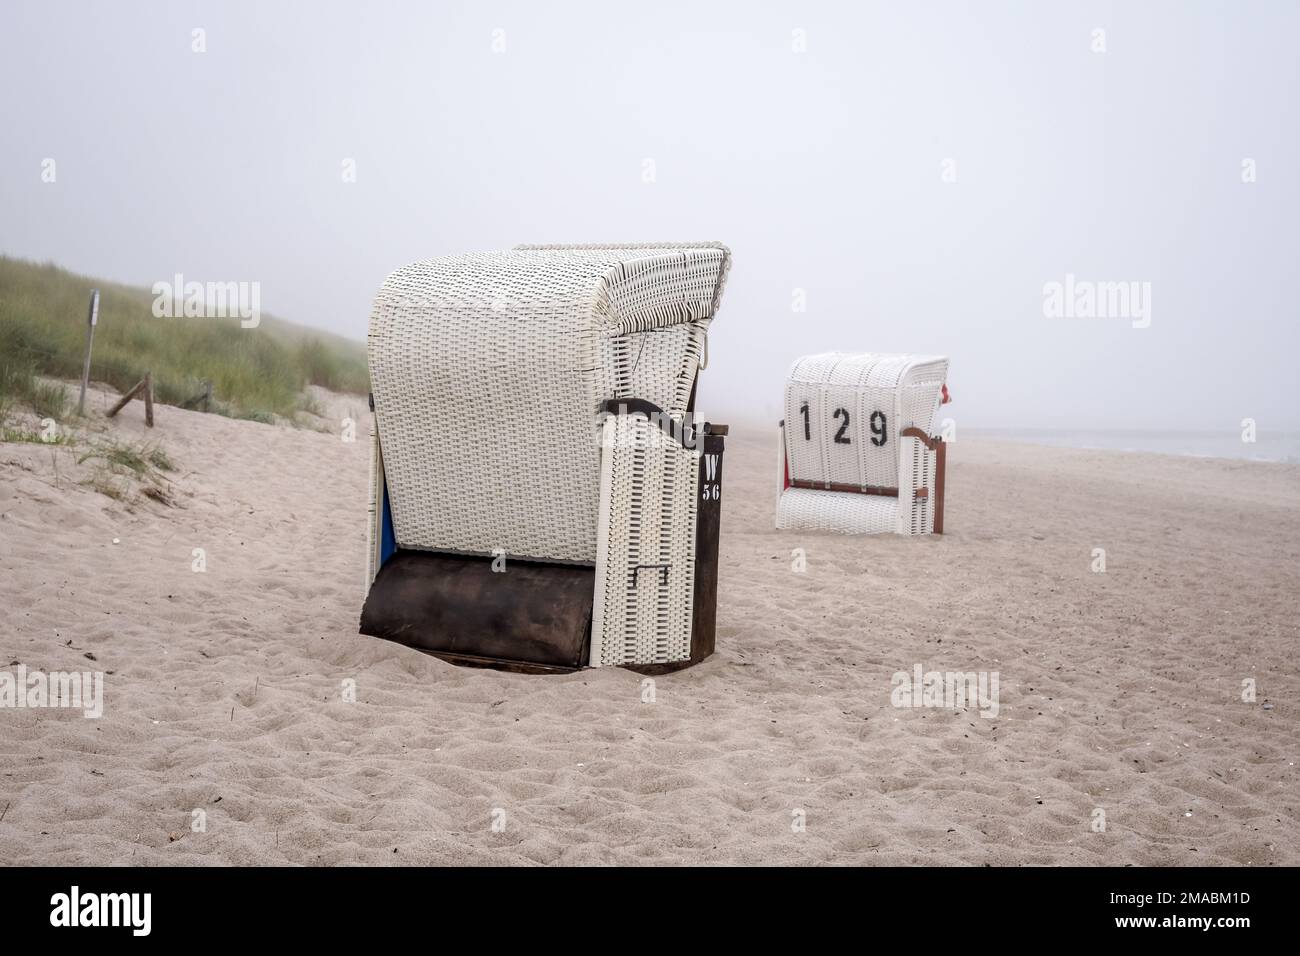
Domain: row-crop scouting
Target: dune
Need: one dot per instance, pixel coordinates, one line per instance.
(230, 735)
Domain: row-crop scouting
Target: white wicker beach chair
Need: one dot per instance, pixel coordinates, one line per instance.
(857, 454)
(536, 405)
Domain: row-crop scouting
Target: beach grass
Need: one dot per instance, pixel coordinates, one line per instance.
(256, 373)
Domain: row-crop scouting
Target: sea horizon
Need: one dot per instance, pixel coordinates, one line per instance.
(1269, 446)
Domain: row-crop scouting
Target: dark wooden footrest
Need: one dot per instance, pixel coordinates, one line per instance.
(531, 617)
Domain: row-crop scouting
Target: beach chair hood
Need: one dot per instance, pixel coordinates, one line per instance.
(487, 371)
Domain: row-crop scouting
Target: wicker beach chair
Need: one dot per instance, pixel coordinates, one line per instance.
(857, 455)
(536, 465)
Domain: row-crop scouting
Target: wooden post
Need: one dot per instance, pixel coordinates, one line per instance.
(148, 398)
(941, 465)
(207, 395)
(91, 322)
(940, 450)
(143, 388)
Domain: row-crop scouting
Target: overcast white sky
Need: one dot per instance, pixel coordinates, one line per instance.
(823, 170)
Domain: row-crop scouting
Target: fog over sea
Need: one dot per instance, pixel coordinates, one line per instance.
(1273, 446)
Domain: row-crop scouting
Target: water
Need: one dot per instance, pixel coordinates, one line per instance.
(1268, 446)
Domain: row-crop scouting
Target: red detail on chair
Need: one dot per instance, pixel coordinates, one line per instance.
(946, 397)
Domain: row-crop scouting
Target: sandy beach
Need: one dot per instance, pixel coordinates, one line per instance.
(224, 690)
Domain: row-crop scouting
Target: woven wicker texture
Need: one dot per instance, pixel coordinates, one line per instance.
(645, 566)
(487, 370)
(836, 511)
(375, 510)
(844, 416)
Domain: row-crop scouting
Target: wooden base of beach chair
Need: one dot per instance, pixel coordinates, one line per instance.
(529, 617)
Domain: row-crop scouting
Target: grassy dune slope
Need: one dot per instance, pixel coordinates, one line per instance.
(255, 373)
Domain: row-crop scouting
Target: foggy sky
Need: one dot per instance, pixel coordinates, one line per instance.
(823, 171)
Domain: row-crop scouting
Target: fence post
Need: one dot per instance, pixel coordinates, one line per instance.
(90, 339)
(143, 388)
(148, 398)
